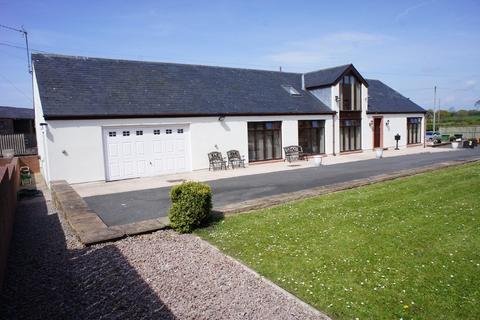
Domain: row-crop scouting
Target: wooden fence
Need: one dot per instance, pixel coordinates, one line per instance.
(467, 131)
(20, 143)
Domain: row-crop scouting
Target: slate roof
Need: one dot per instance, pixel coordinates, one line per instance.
(16, 113)
(79, 87)
(383, 99)
(329, 76)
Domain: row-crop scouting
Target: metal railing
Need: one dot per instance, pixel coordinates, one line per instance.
(467, 131)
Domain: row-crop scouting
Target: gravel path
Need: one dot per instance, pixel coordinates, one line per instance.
(162, 275)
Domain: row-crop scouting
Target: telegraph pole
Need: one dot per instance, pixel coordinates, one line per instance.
(25, 35)
(439, 113)
(434, 105)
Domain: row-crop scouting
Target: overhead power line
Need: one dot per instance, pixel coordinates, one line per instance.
(11, 28)
(16, 88)
(25, 34)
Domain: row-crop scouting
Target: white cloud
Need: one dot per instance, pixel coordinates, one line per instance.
(470, 84)
(328, 49)
(408, 10)
(449, 99)
(297, 57)
(359, 37)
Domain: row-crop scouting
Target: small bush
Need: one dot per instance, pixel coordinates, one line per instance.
(191, 205)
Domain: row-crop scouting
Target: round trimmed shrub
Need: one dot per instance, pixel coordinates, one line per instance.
(191, 205)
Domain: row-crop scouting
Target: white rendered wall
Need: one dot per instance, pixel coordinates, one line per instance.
(336, 108)
(366, 131)
(40, 130)
(397, 123)
(75, 147)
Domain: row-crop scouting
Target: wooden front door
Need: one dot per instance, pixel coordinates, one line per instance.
(377, 132)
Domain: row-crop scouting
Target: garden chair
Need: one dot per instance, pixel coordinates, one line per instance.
(293, 153)
(234, 159)
(216, 161)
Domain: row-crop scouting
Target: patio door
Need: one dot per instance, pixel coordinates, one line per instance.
(311, 136)
(264, 141)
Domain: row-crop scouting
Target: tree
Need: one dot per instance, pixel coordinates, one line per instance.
(477, 105)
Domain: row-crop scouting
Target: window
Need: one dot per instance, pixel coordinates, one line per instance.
(350, 94)
(168, 131)
(156, 132)
(179, 130)
(291, 90)
(264, 140)
(126, 133)
(350, 135)
(311, 136)
(112, 134)
(139, 132)
(414, 129)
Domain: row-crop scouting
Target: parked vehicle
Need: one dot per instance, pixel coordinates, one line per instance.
(433, 135)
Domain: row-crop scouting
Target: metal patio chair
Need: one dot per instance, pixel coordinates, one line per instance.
(293, 153)
(216, 161)
(234, 159)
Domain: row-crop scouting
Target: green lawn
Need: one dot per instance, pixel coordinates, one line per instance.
(408, 248)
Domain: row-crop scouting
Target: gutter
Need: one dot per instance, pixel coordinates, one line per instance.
(395, 112)
(177, 115)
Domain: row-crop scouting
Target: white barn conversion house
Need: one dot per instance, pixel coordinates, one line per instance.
(104, 119)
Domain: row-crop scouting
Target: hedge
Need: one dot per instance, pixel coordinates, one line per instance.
(191, 205)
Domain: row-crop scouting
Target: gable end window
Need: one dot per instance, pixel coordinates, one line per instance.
(112, 134)
(350, 94)
(156, 132)
(139, 132)
(168, 131)
(126, 133)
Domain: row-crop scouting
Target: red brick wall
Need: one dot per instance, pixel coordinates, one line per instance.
(30, 161)
(9, 184)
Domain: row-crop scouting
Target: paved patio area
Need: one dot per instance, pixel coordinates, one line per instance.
(131, 206)
(101, 187)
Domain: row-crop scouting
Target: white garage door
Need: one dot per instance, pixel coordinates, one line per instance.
(145, 151)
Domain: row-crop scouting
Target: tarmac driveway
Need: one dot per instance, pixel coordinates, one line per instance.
(133, 206)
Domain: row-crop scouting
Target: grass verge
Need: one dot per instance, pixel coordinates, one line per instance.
(407, 248)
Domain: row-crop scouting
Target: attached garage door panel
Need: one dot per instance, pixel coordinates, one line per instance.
(147, 151)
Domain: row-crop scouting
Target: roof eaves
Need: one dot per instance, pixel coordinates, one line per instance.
(177, 115)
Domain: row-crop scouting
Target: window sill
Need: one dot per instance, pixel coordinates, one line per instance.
(264, 161)
(350, 152)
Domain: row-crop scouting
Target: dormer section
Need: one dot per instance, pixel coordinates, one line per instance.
(350, 90)
(341, 88)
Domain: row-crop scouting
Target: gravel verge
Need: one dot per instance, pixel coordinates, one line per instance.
(162, 275)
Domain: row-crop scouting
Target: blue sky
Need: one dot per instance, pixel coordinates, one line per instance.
(410, 45)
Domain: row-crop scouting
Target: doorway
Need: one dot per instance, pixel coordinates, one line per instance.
(377, 133)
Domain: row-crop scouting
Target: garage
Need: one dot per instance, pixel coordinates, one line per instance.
(132, 152)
